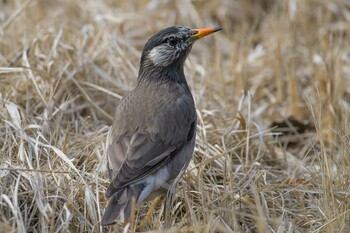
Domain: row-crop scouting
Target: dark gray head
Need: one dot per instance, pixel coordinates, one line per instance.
(168, 46)
(168, 49)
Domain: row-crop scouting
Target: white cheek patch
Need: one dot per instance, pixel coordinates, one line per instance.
(163, 55)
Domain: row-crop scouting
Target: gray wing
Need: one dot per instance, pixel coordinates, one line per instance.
(141, 159)
(141, 145)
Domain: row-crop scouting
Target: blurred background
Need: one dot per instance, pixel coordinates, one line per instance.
(272, 92)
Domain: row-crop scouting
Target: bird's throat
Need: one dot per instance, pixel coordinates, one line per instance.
(149, 72)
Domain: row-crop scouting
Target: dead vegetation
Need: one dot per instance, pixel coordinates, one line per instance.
(273, 98)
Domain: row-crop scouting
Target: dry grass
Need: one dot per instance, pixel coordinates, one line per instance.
(64, 66)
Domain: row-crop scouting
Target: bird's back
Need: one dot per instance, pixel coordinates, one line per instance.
(162, 112)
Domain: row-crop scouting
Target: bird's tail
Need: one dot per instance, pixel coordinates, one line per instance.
(120, 204)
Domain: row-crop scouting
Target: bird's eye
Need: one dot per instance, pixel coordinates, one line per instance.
(172, 41)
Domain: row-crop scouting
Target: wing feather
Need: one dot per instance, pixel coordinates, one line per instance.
(141, 141)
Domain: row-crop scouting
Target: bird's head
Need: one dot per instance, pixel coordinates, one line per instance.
(169, 47)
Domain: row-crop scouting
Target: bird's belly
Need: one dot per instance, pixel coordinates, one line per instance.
(153, 183)
(159, 179)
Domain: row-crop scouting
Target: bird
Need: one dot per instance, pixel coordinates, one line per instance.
(152, 137)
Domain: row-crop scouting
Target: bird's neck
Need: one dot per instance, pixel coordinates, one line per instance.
(149, 72)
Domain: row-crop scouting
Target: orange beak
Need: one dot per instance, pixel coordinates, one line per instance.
(201, 32)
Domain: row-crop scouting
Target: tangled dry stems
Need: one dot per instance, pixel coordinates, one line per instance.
(64, 66)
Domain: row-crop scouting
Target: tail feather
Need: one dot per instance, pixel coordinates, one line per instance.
(120, 204)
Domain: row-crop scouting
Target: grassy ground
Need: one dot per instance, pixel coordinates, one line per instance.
(273, 97)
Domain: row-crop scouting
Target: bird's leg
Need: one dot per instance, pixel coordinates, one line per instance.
(132, 214)
(148, 218)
